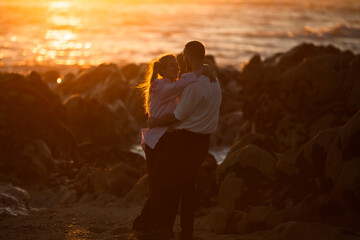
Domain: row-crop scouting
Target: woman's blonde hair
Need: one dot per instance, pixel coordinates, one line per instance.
(154, 69)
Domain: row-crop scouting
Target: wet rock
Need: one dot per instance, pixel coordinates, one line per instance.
(14, 201)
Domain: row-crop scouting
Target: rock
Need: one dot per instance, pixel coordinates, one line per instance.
(231, 188)
(297, 54)
(250, 156)
(117, 180)
(312, 157)
(254, 219)
(139, 192)
(130, 71)
(286, 166)
(352, 85)
(14, 201)
(206, 183)
(29, 108)
(257, 139)
(51, 76)
(230, 127)
(346, 189)
(92, 121)
(107, 84)
(257, 170)
(316, 231)
(344, 147)
(114, 172)
(350, 137)
(293, 96)
(121, 178)
(217, 221)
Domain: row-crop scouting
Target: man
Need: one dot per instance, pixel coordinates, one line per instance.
(196, 116)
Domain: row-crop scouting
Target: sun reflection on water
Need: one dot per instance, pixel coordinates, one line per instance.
(62, 44)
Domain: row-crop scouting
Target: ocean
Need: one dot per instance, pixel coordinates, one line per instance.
(90, 32)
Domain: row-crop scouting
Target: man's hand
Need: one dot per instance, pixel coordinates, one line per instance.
(209, 72)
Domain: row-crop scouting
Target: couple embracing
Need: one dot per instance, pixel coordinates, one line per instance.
(183, 112)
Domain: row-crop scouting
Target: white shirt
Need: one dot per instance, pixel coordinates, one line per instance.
(198, 109)
(163, 101)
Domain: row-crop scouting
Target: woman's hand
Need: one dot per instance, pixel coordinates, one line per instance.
(209, 72)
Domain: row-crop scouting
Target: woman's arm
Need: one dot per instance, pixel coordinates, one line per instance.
(170, 91)
(166, 120)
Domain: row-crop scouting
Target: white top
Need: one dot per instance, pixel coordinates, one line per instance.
(163, 101)
(198, 109)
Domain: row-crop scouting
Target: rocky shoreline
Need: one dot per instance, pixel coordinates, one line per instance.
(292, 172)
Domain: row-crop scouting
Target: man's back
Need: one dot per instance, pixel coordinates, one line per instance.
(198, 109)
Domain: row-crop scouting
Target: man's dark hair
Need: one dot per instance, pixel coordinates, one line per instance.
(196, 49)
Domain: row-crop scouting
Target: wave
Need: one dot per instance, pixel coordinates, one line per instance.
(343, 30)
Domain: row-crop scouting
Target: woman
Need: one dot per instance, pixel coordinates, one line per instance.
(161, 90)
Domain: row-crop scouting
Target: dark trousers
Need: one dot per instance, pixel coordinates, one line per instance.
(144, 222)
(172, 178)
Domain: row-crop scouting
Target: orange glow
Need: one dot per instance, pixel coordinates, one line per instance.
(63, 46)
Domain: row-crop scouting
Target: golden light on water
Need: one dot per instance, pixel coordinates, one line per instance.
(76, 232)
(59, 4)
(62, 44)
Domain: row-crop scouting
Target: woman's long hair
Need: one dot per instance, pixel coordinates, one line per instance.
(154, 69)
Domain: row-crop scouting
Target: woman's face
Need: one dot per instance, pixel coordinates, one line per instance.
(171, 70)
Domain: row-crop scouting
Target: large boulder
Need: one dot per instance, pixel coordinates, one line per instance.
(93, 121)
(293, 96)
(139, 192)
(114, 173)
(34, 136)
(107, 84)
(343, 165)
(256, 169)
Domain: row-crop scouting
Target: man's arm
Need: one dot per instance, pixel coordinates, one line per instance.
(163, 121)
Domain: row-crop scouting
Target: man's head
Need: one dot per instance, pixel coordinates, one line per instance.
(194, 54)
